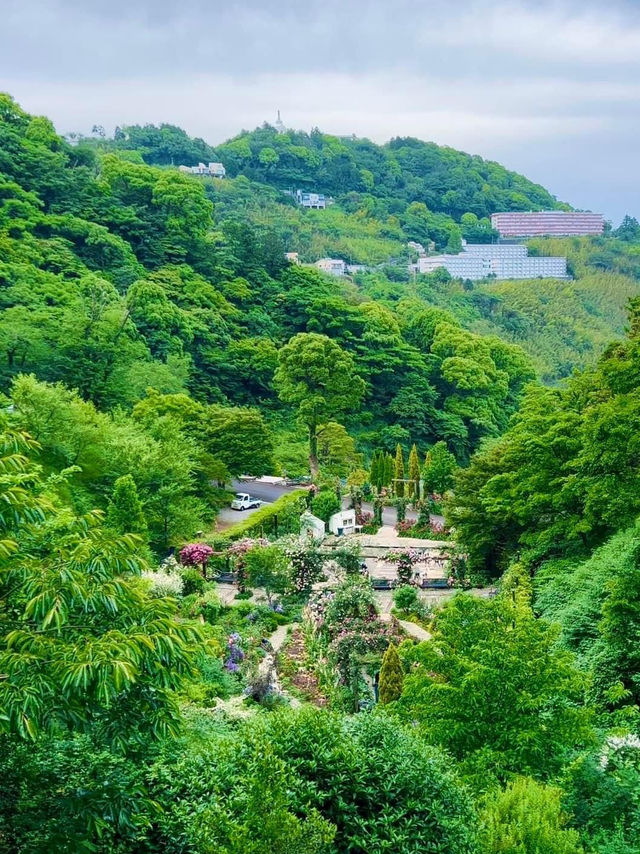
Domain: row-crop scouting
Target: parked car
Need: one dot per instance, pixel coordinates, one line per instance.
(244, 501)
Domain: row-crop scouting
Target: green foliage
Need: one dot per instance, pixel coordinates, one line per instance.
(414, 474)
(595, 604)
(405, 597)
(398, 472)
(493, 688)
(527, 818)
(601, 792)
(192, 582)
(325, 504)
(124, 513)
(563, 476)
(379, 787)
(317, 377)
(381, 180)
(391, 676)
(109, 656)
(353, 599)
(268, 567)
(439, 469)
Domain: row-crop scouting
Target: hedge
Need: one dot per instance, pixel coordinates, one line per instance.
(284, 512)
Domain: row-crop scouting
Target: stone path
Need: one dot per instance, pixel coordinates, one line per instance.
(268, 663)
(415, 630)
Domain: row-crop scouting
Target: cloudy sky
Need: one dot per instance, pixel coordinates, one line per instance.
(551, 89)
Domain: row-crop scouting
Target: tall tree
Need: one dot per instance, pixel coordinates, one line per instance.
(414, 473)
(319, 378)
(125, 514)
(398, 472)
(439, 468)
(374, 472)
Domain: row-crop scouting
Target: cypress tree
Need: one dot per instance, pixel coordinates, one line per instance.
(374, 477)
(414, 473)
(399, 472)
(391, 676)
(125, 514)
(388, 469)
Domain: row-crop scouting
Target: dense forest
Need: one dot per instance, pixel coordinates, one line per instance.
(154, 344)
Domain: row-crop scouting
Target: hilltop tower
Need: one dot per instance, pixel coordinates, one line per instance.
(279, 125)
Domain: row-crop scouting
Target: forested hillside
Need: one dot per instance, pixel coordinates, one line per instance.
(385, 196)
(165, 687)
(116, 278)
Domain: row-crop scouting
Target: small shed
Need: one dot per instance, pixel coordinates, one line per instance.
(311, 527)
(343, 522)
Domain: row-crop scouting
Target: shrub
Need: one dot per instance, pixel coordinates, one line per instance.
(353, 599)
(325, 504)
(391, 676)
(192, 582)
(212, 606)
(163, 584)
(380, 786)
(405, 597)
(527, 816)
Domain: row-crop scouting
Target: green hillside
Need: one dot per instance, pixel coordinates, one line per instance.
(386, 195)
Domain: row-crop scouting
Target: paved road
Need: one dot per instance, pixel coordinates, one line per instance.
(268, 493)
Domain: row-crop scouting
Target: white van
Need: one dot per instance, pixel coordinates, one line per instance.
(243, 501)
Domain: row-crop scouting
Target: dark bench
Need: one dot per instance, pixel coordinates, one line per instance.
(383, 583)
(434, 583)
(226, 578)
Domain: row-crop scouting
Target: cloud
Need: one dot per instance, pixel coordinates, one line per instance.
(551, 89)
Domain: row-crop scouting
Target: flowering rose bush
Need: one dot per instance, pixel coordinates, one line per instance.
(196, 554)
(306, 562)
(405, 561)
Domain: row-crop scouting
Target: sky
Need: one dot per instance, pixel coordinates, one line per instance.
(550, 89)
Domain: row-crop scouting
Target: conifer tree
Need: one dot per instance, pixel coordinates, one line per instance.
(391, 676)
(388, 470)
(125, 514)
(374, 476)
(399, 472)
(414, 473)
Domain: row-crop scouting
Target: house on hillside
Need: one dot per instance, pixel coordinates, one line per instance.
(215, 170)
(332, 266)
(317, 201)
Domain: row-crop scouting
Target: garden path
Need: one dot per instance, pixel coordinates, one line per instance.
(415, 630)
(269, 663)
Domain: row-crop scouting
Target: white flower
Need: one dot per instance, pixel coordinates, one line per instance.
(163, 584)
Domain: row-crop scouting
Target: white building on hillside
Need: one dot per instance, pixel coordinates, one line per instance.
(332, 266)
(500, 260)
(317, 201)
(460, 266)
